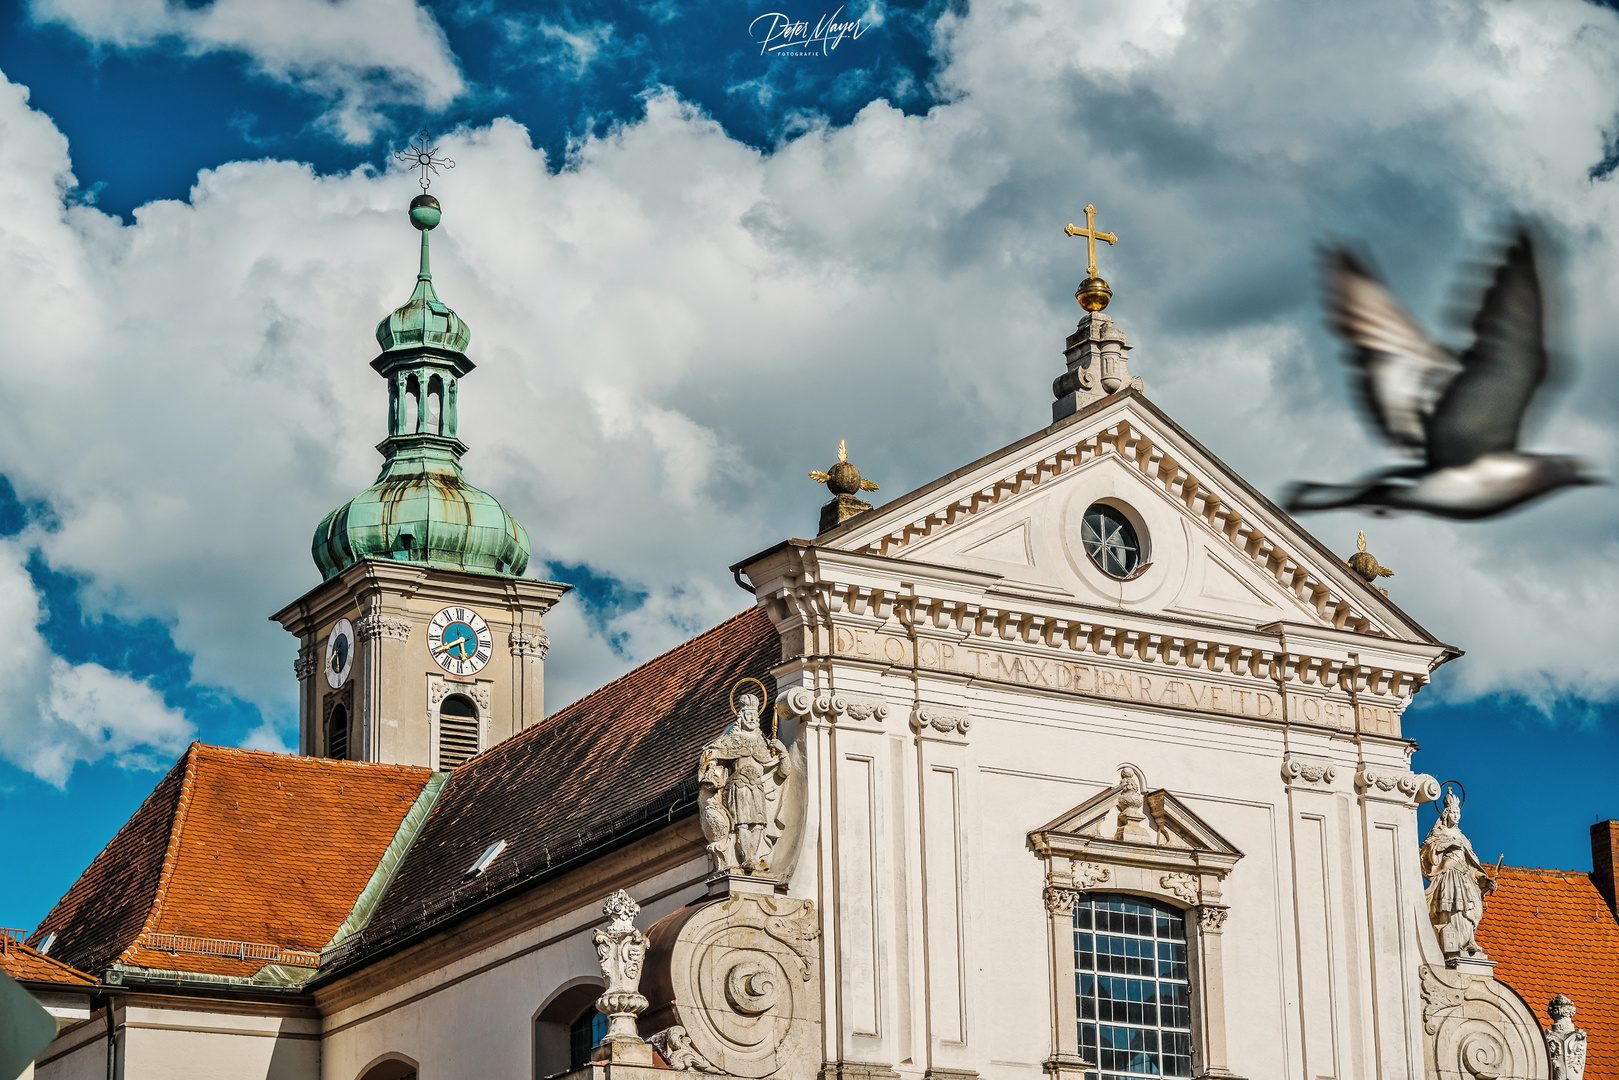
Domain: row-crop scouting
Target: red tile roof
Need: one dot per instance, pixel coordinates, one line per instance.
(1550, 932)
(235, 859)
(576, 782)
(25, 963)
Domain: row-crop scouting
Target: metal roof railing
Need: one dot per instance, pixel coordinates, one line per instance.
(235, 950)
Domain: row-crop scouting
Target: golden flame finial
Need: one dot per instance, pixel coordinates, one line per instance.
(1093, 293)
(845, 483)
(1366, 566)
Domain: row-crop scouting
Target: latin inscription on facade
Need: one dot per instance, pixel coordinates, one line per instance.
(1101, 680)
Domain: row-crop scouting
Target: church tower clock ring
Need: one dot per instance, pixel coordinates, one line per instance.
(459, 640)
(339, 653)
(1113, 541)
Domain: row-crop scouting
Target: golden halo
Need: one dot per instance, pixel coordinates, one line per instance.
(764, 695)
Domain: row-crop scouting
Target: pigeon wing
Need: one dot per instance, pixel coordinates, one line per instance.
(1403, 371)
(1482, 411)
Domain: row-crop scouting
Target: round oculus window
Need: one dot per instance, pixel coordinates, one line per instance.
(1111, 541)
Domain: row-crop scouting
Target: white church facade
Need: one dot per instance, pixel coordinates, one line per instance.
(1083, 761)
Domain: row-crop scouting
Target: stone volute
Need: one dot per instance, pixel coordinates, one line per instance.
(734, 986)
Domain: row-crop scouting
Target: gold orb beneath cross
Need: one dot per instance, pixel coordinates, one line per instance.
(1093, 294)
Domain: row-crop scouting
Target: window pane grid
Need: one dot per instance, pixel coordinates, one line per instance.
(1135, 1012)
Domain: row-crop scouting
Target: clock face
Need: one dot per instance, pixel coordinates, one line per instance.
(339, 653)
(459, 641)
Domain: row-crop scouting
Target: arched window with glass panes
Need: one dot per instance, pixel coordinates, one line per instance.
(1134, 987)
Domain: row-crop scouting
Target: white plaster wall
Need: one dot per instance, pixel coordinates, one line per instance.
(474, 1016)
(948, 965)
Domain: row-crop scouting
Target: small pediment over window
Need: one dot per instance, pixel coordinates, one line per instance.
(1129, 823)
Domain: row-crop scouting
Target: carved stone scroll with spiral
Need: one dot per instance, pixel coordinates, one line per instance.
(735, 988)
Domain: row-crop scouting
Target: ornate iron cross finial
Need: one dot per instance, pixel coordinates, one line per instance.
(419, 155)
(1091, 237)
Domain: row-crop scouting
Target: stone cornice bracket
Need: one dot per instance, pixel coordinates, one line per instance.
(528, 643)
(376, 625)
(1565, 1044)
(1415, 788)
(621, 949)
(833, 708)
(943, 720)
(1295, 768)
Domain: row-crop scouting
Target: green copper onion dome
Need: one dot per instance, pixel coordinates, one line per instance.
(421, 509)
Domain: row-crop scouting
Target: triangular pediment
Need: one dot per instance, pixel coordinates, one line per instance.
(1166, 822)
(1210, 547)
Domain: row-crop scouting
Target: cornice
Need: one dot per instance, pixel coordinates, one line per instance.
(821, 596)
(1253, 540)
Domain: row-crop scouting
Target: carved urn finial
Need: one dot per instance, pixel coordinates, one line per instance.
(1366, 566)
(621, 948)
(845, 483)
(1565, 1044)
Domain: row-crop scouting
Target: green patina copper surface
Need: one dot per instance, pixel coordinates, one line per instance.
(421, 509)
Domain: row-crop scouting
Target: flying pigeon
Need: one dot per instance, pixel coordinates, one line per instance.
(1461, 414)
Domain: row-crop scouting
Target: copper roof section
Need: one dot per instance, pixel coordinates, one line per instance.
(1551, 932)
(607, 768)
(238, 859)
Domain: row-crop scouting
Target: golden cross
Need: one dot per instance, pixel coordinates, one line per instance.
(1091, 237)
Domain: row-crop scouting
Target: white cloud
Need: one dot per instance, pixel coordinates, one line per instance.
(674, 327)
(359, 55)
(54, 714)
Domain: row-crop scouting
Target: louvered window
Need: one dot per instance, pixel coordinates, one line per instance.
(337, 733)
(457, 731)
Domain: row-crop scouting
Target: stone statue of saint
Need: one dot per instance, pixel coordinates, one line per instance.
(739, 790)
(1457, 882)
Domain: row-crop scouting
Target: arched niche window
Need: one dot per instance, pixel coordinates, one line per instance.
(435, 405)
(337, 733)
(567, 1028)
(390, 1067)
(457, 731)
(1133, 986)
(413, 406)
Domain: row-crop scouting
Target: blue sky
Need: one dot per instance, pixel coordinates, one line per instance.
(891, 200)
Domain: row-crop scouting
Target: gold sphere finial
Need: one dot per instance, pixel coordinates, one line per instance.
(1093, 294)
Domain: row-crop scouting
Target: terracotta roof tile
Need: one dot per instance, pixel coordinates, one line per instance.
(567, 783)
(25, 963)
(1550, 932)
(235, 848)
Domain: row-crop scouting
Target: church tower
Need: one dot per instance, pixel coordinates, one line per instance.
(424, 644)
